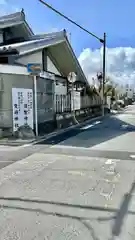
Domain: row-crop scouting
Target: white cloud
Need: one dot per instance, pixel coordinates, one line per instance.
(120, 63)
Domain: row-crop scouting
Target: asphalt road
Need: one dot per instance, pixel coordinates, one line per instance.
(79, 185)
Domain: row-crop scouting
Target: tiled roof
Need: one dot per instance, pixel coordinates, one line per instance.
(13, 16)
(14, 19)
(11, 19)
(36, 44)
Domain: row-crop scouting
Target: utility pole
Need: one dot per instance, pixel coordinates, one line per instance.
(102, 40)
(104, 72)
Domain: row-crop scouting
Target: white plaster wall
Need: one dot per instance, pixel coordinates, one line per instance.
(51, 67)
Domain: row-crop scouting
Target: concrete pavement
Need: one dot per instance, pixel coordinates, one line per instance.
(115, 133)
(51, 196)
(79, 185)
(11, 154)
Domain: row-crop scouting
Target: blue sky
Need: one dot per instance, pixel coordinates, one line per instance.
(115, 17)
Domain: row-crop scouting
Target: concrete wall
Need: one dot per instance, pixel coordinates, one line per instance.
(45, 97)
(10, 81)
(18, 77)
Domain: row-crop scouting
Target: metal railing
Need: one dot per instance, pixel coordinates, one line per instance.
(63, 102)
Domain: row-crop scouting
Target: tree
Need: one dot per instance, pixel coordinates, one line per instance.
(109, 86)
(90, 91)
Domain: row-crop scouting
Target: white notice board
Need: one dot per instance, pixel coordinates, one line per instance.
(22, 104)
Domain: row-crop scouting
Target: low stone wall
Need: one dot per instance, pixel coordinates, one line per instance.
(64, 120)
(47, 127)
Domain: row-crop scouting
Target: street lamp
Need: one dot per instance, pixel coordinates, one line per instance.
(102, 40)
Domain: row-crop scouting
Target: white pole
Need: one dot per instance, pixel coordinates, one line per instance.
(73, 103)
(35, 101)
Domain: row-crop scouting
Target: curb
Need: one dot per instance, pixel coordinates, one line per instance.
(45, 137)
(56, 133)
(53, 134)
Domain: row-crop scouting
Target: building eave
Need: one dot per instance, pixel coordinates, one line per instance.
(36, 44)
(14, 20)
(51, 41)
(75, 58)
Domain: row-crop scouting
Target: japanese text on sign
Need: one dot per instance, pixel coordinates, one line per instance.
(22, 100)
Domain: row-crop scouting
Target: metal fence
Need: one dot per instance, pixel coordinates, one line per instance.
(45, 100)
(63, 102)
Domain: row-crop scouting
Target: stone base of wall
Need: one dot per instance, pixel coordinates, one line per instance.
(46, 127)
(64, 120)
(6, 132)
(61, 121)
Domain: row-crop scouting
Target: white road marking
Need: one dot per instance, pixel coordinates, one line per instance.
(88, 126)
(97, 122)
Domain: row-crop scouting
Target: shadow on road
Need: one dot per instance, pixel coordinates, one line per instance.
(108, 128)
(82, 220)
(90, 228)
(118, 215)
(60, 215)
(121, 213)
(68, 205)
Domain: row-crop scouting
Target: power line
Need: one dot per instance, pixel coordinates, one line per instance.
(102, 40)
(70, 20)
